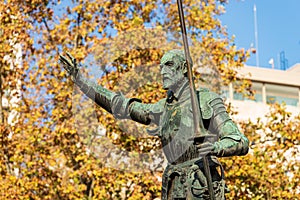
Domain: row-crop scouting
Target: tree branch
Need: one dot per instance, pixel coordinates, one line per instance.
(78, 36)
(48, 29)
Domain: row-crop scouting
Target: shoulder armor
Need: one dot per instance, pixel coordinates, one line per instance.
(206, 98)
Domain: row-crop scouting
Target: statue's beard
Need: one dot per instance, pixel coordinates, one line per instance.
(177, 84)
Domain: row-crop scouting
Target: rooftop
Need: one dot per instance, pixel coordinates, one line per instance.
(290, 77)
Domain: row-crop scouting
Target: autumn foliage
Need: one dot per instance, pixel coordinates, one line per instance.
(270, 170)
(59, 145)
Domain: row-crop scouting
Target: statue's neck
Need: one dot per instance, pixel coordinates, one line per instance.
(180, 88)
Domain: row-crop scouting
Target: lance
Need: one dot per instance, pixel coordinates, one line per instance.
(200, 131)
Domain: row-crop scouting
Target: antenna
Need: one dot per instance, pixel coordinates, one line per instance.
(283, 61)
(256, 36)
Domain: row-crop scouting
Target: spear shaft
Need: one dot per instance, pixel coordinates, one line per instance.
(198, 123)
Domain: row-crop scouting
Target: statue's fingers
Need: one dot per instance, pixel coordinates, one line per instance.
(204, 149)
(67, 62)
(70, 56)
(60, 56)
(63, 59)
(73, 60)
(204, 145)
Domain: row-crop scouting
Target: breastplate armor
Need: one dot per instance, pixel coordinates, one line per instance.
(176, 129)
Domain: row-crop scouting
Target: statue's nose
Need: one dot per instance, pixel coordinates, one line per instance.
(162, 70)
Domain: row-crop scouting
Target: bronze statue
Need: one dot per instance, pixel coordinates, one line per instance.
(184, 176)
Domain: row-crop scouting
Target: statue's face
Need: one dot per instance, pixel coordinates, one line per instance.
(171, 70)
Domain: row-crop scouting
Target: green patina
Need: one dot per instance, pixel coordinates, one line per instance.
(183, 177)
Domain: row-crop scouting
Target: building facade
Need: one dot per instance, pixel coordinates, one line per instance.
(270, 86)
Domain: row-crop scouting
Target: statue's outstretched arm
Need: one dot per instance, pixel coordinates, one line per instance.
(115, 103)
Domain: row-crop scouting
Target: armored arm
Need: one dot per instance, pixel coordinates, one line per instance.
(115, 103)
(120, 106)
(232, 141)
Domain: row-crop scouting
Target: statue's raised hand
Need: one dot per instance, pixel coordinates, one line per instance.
(70, 65)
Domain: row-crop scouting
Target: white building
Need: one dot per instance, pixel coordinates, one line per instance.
(270, 85)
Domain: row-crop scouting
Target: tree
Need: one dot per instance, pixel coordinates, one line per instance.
(270, 169)
(51, 152)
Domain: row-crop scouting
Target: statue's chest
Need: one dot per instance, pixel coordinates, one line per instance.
(176, 130)
(177, 121)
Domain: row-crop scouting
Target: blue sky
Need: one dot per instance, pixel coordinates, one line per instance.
(278, 25)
